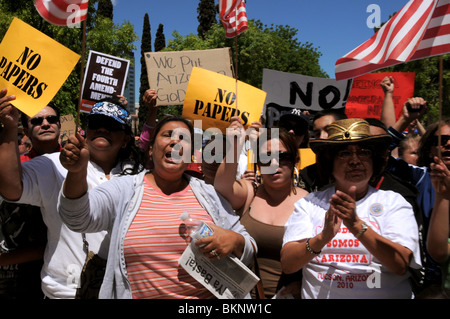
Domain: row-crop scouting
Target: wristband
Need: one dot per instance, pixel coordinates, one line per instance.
(308, 248)
(362, 231)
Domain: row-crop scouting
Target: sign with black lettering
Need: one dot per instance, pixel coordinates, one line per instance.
(33, 66)
(169, 71)
(305, 92)
(105, 76)
(214, 99)
(227, 278)
(366, 96)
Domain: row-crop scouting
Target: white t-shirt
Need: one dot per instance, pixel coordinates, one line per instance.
(345, 268)
(64, 256)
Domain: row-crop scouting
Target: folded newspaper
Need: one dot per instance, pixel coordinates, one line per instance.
(226, 278)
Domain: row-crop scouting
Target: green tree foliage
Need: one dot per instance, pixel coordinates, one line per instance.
(206, 17)
(102, 35)
(146, 46)
(160, 41)
(105, 9)
(274, 47)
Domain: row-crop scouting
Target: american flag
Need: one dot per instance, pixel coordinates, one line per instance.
(62, 12)
(230, 12)
(420, 29)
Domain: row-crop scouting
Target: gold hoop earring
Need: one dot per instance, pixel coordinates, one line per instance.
(295, 176)
(258, 177)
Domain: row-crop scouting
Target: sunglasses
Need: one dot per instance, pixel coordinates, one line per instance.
(361, 153)
(38, 120)
(444, 139)
(297, 129)
(106, 123)
(283, 158)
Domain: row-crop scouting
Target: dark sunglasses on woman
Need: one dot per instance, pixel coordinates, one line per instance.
(283, 158)
(444, 139)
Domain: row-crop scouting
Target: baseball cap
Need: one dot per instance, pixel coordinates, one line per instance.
(112, 110)
(295, 115)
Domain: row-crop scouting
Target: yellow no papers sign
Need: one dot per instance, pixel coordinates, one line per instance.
(215, 98)
(33, 66)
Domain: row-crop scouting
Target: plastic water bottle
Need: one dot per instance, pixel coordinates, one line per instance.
(195, 228)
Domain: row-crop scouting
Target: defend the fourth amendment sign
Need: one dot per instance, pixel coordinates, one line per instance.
(105, 77)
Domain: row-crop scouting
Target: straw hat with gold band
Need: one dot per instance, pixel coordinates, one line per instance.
(349, 131)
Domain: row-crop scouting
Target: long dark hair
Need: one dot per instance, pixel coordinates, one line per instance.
(131, 154)
(427, 142)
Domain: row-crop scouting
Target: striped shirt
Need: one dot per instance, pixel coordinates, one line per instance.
(155, 241)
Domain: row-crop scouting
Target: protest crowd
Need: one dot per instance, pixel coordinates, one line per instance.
(180, 212)
(99, 217)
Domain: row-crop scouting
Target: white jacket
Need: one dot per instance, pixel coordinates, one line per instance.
(113, 206)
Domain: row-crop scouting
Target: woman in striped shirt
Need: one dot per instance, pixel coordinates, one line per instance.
(143, 211)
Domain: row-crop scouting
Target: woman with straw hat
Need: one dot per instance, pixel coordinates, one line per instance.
(352, 240)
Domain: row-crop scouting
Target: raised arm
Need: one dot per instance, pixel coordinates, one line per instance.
(150, 97)
(75, 157)
(10, 168)
(412, 110)
(388, 108)
(235, 191)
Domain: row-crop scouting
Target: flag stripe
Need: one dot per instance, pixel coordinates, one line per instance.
(230, 12)
(380, 36)
(59, 13)
(418, 30)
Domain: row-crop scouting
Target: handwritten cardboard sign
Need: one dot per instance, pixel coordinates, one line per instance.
(169, 71)
(33, 66)
(366, 96)
(214, 98)
(304, 92)
(67, 127)
(105, 77)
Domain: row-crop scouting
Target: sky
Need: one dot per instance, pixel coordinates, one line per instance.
(334, 27)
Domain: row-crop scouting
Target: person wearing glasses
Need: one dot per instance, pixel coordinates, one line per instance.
(39, 180)
(352, 240)
(439, 230)
(434, 147)
(43, 129)
(297, 124)
(265, 208)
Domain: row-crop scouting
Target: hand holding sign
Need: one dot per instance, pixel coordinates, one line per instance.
(28, 60)
(150, 97)
(236, 135)
(9, 116)
(75, 155)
